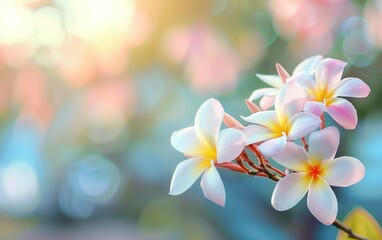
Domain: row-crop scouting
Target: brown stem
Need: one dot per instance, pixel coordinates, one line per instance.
(348, 230)
(239, 161)
(249, 162)
(263, 163)
(281, 173)
(231, 166)
(306, 146)
(322, 121)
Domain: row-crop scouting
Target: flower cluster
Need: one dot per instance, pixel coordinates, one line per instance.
(300, 102)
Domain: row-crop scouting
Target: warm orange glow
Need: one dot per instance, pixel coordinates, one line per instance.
(314, 171)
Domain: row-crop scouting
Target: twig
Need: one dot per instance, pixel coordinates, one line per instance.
(348, 230)
(281, 173)
(249, 162)
(263, 163)
(306, 146)
(322, 121)
(239, 161)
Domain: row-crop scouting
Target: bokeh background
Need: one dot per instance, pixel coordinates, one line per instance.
(91, 91)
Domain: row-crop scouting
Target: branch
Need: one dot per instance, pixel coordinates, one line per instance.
(263, 163)
(322, 121)
(306, 146)
(348, 230)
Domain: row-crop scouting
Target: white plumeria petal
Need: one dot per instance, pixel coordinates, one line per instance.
(289, 191)
(265, 118)
(323, 144)
(257, 133)
(316, 108)
(351, 87)
(304, 79)
(185, 174)
(230, 144)
(290, 100)
(308, 65)
(212, 186)
(329, 72)
(302, 124)
(343, 171)
(272, 92)
(258, 93)
(187, 142)
(267, 101)
(322, 202)
(271, 80)
(208, 120)
(273, 146)
(293, 157)
(343, 112)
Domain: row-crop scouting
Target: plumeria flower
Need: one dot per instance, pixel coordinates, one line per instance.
(205, 146)
(287, 122)
(276, 82)
(327, 88)
(314, 173)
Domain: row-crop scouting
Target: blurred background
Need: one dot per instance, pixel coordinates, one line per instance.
(91, 91)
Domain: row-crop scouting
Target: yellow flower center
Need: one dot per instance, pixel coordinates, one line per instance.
(281, 127)
(205, 164)
(322, 95)
(208, 153)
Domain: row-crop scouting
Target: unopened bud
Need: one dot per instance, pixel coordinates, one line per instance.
(252, 107)
(232, 122)
(284, 75)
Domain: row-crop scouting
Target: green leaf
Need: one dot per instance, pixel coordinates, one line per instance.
(362, 223)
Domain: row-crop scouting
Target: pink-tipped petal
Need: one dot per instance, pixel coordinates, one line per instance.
(289, 191)
(185, 174)
(343, 112)
(252, 107)
(208, 120)
(271, 80)
(273, 147)
(212, 186)
(323, 144)
(230, 144)
(352, 87)
(284, 75)
(257, 133)
(302, 124)
(290, 100)
(264, 118)
(293, 157)
(308, 65)
(258, 93)
(322, 202)
(187, 142)
(344, 171)
(267, 101)
(329, 72)
(316, 108)
(232, 122)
